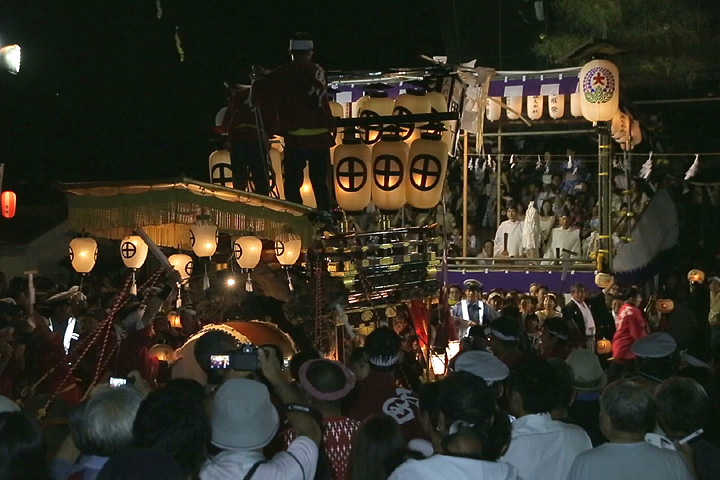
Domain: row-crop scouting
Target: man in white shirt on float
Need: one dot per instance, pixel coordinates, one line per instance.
(513, 227)
(472, 310)
(541, 448)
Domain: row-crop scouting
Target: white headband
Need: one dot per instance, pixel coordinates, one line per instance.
(383, 360)
(301, 44)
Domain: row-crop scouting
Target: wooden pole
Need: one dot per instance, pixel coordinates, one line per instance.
(498, 204)
(465, 194)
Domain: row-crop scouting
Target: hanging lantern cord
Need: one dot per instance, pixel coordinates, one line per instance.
(248, 283)
(290, 285)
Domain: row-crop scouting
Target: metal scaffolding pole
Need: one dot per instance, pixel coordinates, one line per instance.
(605, 194)
(465, 194)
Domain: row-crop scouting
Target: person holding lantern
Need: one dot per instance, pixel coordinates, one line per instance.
(298, 94)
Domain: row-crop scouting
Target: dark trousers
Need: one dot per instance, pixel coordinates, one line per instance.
(248, 163)
(319, 161)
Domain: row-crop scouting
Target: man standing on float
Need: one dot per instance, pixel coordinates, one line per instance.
(298, 92)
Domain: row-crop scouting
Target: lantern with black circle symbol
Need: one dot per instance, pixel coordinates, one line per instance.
(438, 104)
(183, 264)
(287, 251)
(535, 107)
(575, 108)
(247, 251)
(352, 165)
(83, 255)
(375, 103)
(427, 164)
(8, 204)
(556, 106)
(599, 83)
(204, 240)
(338, 111)
(412, 102)
(493, 108)
(220, 168)
(515, 103)
(133, 251)
(389, 157)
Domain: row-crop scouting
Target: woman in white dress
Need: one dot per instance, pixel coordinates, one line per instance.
(547, 221)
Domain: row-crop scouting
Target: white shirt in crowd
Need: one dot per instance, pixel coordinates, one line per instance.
(514, 231)
(297, 463)
(587, 317)
(619, 461)
(441, 467)
(542, 448)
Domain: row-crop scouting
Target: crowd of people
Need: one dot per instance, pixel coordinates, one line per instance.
(532, 394)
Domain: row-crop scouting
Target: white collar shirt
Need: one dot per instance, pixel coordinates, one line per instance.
(543, 449)
(587, 317)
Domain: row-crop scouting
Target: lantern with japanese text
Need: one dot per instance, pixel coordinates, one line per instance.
(133, 251)
(493, 109)
(575, 108)
(556, 106)
(183, 264)
(220, 168)
(8, 204)
(622, 134)
(247, 251)
(287, 251)
(83, 254)
(389, 157)
(599, 83)
(535, 106)
(515, 103)
(352, 167)
(427, 165)
(412, 102)
(375, 103)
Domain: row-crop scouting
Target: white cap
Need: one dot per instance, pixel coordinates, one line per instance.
(482, 364)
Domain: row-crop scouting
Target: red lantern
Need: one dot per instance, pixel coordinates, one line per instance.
(8, 202)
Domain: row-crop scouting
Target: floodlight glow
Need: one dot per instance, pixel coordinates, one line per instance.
(10, 58)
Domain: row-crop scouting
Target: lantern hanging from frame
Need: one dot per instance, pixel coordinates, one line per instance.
(535, 106)
(413, 101)
(8, 204)
(427, 166)
(352, 167)
(575, 108)
(389, 157)
(287, 250)
(556, 106)
(664, 305)
(204, 240)
(83, 255)
(438, 104)
(247, 250)
(307, 193)
(220, 168)
(635, 133)
(375, 103)
(599, 84)
(515, 103)
(338, 111)
(183, 264)
(493, 109)
(133, 251)
(174, 319)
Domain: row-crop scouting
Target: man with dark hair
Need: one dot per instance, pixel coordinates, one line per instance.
(564, 381)
(508, 238)
(683, 407)
(472, 310)
(504, 336)
(627, 413)
(298, 91)
(172, 419)
(380, 392)
(541, 447)
(579, 312)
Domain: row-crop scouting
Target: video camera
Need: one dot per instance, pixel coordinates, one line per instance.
(243, 359)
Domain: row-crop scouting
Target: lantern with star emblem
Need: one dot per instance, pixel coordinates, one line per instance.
(599, 89)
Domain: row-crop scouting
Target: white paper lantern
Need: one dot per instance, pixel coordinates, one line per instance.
(338, 111)
(556, 106)
(516, 104)
(220, 168)
(390, 158)
(374, 104)
(183, 264)
(575, 108)
(493, 109)
(204, 236)
(438, 104)
(83, 254)
(427, 165)
(133, 251)
(599, 87)
(623, 129)
(10, 58)
(534, 107)
(306, 189)
(287, 248)
(409, 103)
(352, 179)
(247, 251)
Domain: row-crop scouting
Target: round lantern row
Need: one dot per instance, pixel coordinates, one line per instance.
(391, 173)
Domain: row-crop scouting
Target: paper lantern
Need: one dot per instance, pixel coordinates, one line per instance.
(575, 109)
(453, 348)
(493, 109)
(83, 254)
(516, 104)
(306, 189)
(696, 276)
(603, 346)
(247, 251)
(174, 319)
(8, 204)
(10, 58)
(664, 305)
(390, 157)
(374, 104)
(204, 236)
(599, 88)
(635, 133)
(622, 134)
(352, 166)
(438, 364)
(183, 264)
(220, 168)
(287, 248)
(409, 103)
(603, 280)
(162, 352)
(133, 251)
(556, 106)
(534, 107)
(338, 111)
(438, 104)
(427, 166)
